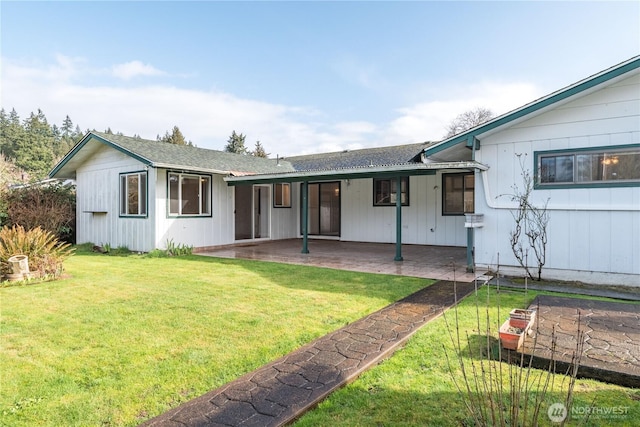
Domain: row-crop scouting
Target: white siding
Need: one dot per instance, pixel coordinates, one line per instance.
(285, 221)
(594, 233)
(98, 219)
(422, 221)
(195, 231)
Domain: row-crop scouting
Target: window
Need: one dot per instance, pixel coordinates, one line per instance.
(458, 193)
(282, 195)
(588, 167)
(189, 195)
(385, 191)
(133, 194)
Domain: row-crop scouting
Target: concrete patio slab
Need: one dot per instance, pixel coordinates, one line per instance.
(611, 334)
(429, 262)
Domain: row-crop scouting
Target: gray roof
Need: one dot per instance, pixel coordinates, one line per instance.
(163, 153)
(166, 155)
(367, 157)
(171, 156)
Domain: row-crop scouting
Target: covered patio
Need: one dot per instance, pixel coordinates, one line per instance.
(429, 262)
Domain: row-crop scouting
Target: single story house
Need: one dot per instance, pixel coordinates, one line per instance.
(581, 145)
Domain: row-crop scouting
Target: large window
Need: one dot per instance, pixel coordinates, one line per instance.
(457, 193)
(588, 167)
(133, 194)
(385, 192)
(282, 195)
(189, 195)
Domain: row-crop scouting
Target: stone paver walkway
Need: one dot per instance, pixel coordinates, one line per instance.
(281, 391)
(611, 331)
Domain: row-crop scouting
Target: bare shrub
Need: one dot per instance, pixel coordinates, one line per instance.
(531, 223)
(502, 388)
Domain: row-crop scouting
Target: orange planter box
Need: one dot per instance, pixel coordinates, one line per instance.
(510, 338)
(513, 330)
(521, 318)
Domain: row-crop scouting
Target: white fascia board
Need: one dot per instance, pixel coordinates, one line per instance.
(364, 170)
(464, 164)
(175, 167)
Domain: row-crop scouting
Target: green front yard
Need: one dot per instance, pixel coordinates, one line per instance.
(126, 338)
(415, 386)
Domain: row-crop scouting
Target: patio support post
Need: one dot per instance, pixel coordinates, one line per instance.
(305, 216)
(398, 219)
(470, 250)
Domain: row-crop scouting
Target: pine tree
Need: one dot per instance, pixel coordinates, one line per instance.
(235, 144)
(259, 151)
(11, 134)
(67, 127)
(34, 152)
(4, 126)
(175, 137)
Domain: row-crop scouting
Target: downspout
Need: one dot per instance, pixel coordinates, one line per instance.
(304, 186)
(470, 236)
(398, 219)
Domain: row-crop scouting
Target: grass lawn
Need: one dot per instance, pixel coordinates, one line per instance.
(415, 387)
(124, 339)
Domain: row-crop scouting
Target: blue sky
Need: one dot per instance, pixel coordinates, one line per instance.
(300, 77)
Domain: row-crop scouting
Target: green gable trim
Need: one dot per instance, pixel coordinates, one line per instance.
(123, 150)
(84, 141)
(560, 96)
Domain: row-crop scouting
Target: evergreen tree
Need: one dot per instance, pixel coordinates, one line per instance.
(235, 144)
(175, 137)
(4, 126)
(69, 137)
(59, 146)
(259, 151)
(34, 152)
(67, 127)
(11, 134)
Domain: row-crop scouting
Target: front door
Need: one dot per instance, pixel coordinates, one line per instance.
(324, 209)
(261, 210)
(252, 212)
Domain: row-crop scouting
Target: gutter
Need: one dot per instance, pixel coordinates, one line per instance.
(355, 173)
(172, 166)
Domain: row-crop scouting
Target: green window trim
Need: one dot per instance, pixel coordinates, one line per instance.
(592, 167)
(188, 195)
(385, 189)
(134, 194)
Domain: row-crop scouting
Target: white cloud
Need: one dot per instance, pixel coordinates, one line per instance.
(208, 117)
(429, 119)
(132, 69)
